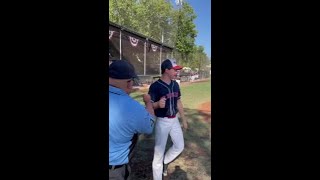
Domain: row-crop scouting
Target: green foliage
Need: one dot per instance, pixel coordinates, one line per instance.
(157, 18)
(149, 17)
(186, 29)
(200, 59)
(123, 12)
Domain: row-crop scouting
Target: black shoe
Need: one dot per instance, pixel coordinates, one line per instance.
(165, 169)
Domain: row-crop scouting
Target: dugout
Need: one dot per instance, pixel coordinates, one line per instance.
(144, 53)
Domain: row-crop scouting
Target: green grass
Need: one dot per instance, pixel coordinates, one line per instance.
(137, 96)
(195, 94)
(192, 95)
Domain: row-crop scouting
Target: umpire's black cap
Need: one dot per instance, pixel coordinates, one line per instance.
(122, 69)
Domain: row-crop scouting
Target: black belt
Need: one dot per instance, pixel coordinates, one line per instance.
(115, 166)
(170, 117)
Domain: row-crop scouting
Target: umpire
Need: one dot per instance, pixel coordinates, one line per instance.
(127, 118)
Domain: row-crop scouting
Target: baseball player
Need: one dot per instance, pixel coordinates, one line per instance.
(165, 96)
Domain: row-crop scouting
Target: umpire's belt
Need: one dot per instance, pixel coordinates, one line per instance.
(112, 167)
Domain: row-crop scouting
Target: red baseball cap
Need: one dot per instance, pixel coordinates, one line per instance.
(170, 64)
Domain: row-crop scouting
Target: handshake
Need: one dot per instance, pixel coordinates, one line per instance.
(160, 104)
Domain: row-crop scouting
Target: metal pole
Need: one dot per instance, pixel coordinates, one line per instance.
(145, 57)
(161, 52)
(160, 61)
(120, 45)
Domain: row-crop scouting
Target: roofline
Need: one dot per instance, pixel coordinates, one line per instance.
(138, 34)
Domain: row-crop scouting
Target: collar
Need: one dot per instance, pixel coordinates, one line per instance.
(166, 83)
(116, 90)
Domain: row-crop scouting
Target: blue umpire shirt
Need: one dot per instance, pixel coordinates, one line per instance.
(127, 117)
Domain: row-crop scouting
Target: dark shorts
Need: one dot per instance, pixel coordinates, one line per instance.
(122, 173)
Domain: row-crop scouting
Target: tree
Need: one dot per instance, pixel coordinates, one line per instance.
(157, 19)
(123, 12)
(153, 18)
(186, 32)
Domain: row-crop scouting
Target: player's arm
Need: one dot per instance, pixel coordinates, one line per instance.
(181, 112)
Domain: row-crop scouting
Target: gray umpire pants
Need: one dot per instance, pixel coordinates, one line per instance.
(122, 173)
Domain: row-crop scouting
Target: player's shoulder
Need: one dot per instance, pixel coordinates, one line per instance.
(155, 84)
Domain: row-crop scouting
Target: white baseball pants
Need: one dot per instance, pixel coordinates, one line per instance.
(163, 128)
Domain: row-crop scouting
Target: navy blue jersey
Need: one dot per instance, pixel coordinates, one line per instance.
(171, 92)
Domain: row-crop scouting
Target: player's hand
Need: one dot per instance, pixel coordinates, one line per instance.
(146, 98)
(162, 102)
(185, 125)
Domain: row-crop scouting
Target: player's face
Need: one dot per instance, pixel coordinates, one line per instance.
(173, 73)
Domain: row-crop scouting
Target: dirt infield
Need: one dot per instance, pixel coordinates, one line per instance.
(205, 110)
(205, 107)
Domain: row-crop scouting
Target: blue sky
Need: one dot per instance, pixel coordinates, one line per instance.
(202, 9)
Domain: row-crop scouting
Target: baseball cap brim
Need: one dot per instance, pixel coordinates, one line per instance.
(177, 67)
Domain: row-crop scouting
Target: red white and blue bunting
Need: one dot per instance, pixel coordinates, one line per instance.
(110, 34)
(154, 47)
(133, 41)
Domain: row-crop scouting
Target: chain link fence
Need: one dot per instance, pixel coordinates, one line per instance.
(143, 53)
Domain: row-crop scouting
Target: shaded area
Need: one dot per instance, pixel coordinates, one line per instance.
(193, 163)
(178, 174)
